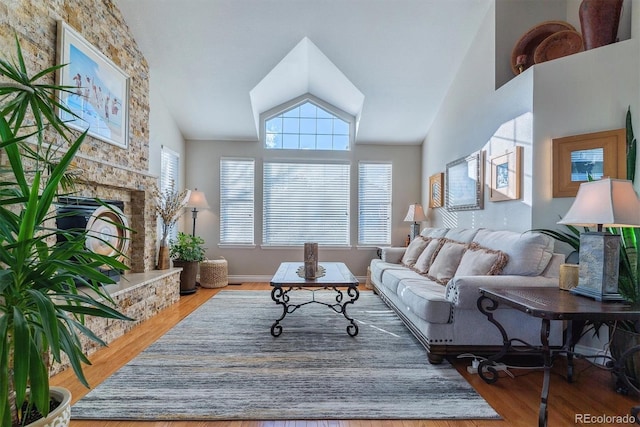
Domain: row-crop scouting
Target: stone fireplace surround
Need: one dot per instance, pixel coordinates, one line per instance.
(142, 291)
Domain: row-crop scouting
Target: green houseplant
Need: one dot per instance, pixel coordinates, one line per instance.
(42, 308)
(187, 252)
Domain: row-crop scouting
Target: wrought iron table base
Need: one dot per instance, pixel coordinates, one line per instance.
(490, 375)
(281, 297)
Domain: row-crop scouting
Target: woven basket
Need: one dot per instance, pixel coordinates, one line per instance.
(213, 273)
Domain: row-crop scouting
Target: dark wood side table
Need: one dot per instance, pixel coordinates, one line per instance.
(550, 304)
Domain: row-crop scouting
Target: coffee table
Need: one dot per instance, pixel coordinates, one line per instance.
(336, 276)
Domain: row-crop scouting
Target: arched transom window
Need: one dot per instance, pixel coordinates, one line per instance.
(307, 126)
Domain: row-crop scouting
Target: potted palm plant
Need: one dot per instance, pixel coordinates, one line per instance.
(187, 252)
(42, 308)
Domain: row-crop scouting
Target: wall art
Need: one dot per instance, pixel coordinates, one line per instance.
(578, 158)
(436, 190)
(464, 183)
(506, 172)
(98, 90)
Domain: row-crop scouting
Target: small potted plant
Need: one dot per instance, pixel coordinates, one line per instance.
(187, 252)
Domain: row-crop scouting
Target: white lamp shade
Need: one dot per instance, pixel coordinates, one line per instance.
(197, 200)
(607, 202)
(415, 213)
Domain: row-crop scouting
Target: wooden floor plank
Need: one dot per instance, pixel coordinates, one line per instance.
(516, 400)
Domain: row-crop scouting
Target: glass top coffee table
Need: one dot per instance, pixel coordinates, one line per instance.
(332, 276)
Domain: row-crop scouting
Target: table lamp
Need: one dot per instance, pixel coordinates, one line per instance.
(197, 200)
(415, 214)
(604, 203)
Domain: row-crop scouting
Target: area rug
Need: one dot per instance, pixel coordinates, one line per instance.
(221, 363)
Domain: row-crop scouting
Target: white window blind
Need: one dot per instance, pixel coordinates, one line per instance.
(305, 202)
(169, 176)
(374, 203)
(237, 201)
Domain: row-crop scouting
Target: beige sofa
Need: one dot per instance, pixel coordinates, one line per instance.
(434, 284)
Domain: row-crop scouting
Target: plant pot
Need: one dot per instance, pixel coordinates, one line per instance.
(599, 20)
(188, 275)
(621, 341)
(59, 417)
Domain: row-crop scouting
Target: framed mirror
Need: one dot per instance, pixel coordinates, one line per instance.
(464, 183)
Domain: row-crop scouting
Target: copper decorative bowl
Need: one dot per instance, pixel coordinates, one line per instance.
(522, 56)
(557, 45)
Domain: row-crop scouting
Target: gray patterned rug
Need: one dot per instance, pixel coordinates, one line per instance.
(221, 363)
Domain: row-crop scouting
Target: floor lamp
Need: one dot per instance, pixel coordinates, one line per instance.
(197, 200)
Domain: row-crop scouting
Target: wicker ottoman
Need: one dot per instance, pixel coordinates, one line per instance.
(213, 273)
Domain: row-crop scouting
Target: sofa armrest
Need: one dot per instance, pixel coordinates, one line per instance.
(464, 291)
(392, 254)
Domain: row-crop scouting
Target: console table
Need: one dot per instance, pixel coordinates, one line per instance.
(550, 304)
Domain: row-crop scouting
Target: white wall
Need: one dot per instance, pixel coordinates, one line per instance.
(259, 264)
(470, 115)
(163, 131)
(567, 102)
(581, 93)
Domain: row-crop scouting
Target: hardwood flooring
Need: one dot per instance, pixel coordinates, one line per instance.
(516, 400)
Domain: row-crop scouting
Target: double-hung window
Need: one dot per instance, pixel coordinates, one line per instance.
(237, 201)
(374, 203)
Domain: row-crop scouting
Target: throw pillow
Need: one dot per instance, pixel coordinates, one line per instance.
(426, 257)
(446, 261)
(480, 261)
(529, 253)
(414, 250)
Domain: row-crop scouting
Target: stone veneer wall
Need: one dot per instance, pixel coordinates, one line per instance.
(151, 293)
(108, 171)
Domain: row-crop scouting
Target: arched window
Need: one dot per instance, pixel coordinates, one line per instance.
(307, 125)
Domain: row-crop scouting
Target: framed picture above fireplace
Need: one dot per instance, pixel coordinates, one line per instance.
(99, 90)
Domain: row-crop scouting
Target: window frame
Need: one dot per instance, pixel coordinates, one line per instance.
(266, 243)
(166, 154)
(389, 230)
(296, 102)
(252, 222)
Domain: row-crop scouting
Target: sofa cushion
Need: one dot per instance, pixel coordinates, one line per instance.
(425, 299)
(480, 261)
(446, 261)
(529, 253)
(434, 232)
(414, 250)
(378, 267)
(391, 278)
(464, 235)
(425, 259)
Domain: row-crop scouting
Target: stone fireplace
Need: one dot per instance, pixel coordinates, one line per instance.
(99, 179)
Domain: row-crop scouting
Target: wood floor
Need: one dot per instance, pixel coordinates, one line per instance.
(516, 400)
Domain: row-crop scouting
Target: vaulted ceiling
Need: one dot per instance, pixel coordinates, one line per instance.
(206, 56)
